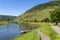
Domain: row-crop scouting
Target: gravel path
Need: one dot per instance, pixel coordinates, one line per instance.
(56, 28)
(42, 36)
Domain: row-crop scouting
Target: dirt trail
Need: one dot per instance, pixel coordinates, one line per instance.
(42, 36)
(56, 28)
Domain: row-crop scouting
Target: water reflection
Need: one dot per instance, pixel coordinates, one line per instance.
(9, 31)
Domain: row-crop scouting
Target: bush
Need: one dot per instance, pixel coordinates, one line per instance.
(46, 20)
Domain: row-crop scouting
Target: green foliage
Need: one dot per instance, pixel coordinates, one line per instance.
(7, 18)
(58, 24)
(3, 22)
(43, 27)
(39, 12)
(35, 20)
(28, 36)
(55, 0)
(46, 20)
(46, 28)
(55, 15)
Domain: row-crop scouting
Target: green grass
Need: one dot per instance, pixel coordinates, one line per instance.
(58, 24)
(28, 36)
(3, 22)
(43, 27)
(46, 28)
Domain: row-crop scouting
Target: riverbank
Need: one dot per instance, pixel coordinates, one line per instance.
(33, 35)
(3, 22)
(43, 27)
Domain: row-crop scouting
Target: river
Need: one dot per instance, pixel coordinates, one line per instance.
(7, 32)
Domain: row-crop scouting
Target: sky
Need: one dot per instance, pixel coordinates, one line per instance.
(17, 7)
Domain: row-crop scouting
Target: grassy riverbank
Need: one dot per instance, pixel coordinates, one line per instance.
(3, 22)
(43, 27)
(28, 36)
(46, 28)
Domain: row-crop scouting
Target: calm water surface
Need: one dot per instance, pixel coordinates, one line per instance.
(9, 31)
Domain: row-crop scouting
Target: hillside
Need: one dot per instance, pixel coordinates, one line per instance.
(38, 13)
(6, 18)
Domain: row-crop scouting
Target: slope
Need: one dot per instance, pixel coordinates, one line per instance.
(39, 12)
(6, 17)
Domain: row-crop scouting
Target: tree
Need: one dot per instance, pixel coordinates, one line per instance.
(45, 20)
(55, 15)
(8, 19)
(35, 20)
(8, 22)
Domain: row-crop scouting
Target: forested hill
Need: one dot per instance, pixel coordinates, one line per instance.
(6, 18)
(39, 12)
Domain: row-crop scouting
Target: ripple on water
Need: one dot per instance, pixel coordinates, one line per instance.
(9, 31)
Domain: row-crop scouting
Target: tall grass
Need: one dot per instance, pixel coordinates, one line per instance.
(46, 28)
(28, 36)
(43, 27)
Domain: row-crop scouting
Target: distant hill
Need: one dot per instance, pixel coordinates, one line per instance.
(6, 18)
(39, 12)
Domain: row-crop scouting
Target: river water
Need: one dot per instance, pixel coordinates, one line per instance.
(9, 31)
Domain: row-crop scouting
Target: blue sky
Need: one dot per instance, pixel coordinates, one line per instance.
(17, 7)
